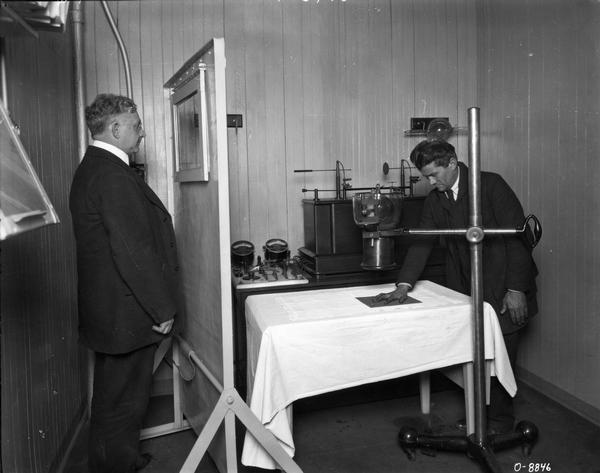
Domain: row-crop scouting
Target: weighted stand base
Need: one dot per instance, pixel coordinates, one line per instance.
(526, 434)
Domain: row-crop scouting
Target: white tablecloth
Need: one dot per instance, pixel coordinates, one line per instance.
(305, 343)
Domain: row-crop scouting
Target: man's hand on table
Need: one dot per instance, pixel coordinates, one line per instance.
(516, 304)
(399, 294)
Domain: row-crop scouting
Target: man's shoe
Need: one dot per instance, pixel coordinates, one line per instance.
(142, 461)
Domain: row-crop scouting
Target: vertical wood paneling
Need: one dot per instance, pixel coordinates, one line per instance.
(349, 113)
(294, 121)
(256, 116)
(466, 79)
(320, 81)
(567, 166)
(41, 388)
(371, 68)
(402, 58)
(149, 88)
(159, 111)
(236, 103)
(159, 37)
(276, 169)
(435, 56)
(538, 78)
(316, 82)
(330, 66)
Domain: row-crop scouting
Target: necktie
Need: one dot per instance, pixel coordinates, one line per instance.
(450, 195)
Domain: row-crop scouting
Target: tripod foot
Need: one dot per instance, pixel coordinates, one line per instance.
(483, 453)
(525, 434)
(529, 433)
(408, 439)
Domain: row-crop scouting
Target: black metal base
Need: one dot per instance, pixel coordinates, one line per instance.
(525, 434)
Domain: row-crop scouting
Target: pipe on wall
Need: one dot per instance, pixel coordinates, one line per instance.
(3, 72)
(79, 83)
(77, 20)
(122, 49)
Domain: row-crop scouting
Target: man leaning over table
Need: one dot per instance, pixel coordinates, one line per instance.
(508, 268)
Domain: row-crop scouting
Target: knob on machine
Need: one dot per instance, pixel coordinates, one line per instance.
(242, 257)
(276, 250)
(275, 267)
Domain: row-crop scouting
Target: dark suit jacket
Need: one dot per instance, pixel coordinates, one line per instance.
(506, 260)
(126, 255)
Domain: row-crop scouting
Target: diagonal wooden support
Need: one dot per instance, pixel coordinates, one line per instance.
(161, 351)
(178, 423)
(231, 404)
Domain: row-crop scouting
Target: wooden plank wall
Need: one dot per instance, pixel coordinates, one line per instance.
(320, 81)
(538, 76)
(315, 82)
(43, 398)
(159, 37)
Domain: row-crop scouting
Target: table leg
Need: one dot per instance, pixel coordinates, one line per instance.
(488, 368)
(425, 391)
(469, 397)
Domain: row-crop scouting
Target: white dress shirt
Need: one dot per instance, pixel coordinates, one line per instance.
(119, 153)
(454, 187)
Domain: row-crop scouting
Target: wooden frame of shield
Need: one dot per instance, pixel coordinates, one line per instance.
(209, 400)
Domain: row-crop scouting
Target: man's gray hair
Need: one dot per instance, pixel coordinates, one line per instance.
(103, 108)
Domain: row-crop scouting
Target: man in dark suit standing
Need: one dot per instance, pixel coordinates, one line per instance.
(508, 268)
(127, 281)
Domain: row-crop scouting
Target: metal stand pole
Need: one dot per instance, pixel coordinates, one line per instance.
(479, 445)
(475, 237)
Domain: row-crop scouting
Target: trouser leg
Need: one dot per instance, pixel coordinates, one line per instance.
(501, 409)
(120, 400)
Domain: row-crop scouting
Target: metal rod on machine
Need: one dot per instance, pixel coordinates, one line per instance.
(452, 231)
(476, 277)
(338, 181)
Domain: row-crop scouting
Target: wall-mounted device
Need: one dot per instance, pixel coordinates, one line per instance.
(234, 120)
(433, 128)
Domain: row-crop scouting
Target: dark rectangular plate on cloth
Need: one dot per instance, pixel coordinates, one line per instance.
(370, 301)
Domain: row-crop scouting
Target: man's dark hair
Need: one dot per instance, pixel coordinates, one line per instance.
(103, 108)
(438, 151)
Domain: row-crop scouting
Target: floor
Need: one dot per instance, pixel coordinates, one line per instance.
(356, 431)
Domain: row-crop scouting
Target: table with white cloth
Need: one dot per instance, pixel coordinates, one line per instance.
(306, 343)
